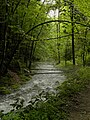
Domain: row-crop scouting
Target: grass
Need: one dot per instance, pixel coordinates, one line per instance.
(56, 107)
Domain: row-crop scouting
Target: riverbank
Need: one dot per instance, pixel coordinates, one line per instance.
(79, 99)
(60, 106)
(12, 81)
(45, 80)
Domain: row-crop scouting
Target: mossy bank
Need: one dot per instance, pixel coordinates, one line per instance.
(12, 81)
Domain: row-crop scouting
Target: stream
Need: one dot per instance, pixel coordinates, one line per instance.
(45, 79)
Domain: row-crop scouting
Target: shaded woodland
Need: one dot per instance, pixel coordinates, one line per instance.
(44, 30)
(59, 29)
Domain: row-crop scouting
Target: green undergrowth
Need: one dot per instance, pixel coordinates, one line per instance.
(78, 79)
(55, 107)
(9, 83)
(5, 83)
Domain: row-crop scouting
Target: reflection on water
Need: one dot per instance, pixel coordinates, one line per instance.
(47, 80)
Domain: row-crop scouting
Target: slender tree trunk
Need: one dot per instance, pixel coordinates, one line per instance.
(58, 44)
(58, 34)
(30, 56)
(84, 48)
(84, 55)
(3, 33)
(8, 58)
(72, 24)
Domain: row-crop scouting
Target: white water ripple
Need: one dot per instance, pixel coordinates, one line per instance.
(40, 82)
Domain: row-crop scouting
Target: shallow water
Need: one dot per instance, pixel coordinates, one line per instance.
(46, 79)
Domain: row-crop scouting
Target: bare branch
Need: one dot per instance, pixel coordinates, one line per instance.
(55, 37)
(16, 6)
(61, 21)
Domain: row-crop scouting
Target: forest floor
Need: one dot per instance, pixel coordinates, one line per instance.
(81, 109)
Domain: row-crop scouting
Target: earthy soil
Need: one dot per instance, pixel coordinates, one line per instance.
(14, 75)
(81, 109)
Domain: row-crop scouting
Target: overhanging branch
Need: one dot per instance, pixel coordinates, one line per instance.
(54, 38)
(61, 21)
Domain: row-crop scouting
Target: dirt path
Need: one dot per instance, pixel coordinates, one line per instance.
(81, 110)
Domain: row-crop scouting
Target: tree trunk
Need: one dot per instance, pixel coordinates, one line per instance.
(8, 58)
(58, 44)
(84, 46)
(3, 33)
(72, 24)
(30, 56)
(84, 55)
(58, 34)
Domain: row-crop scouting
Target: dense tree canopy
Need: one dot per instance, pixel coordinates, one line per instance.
(34, 30)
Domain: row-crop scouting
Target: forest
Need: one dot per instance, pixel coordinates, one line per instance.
(44, 31)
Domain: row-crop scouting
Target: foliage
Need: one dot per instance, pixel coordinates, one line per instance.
(77, 80)
(88, 60)
(20, 45)
(4, 91)
(12, 81)
(55, 107)
(21, 16)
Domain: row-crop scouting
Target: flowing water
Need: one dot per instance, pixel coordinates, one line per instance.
(46, 78)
